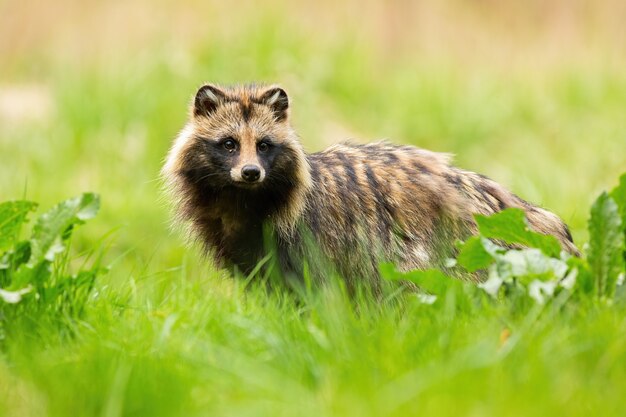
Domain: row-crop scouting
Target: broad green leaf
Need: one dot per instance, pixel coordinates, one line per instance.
(53, 227)
(37, 275)
(388, 271)
(13, 297)
(619, 195)
(584, 279)
(12, 216)
(18, 255)
(532, 263)
(492, 285)
(606, 244)
(511, 227)
(433, 281)
(541, 290)
(473, 255)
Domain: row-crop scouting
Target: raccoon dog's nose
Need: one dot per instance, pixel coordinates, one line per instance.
(250, 173)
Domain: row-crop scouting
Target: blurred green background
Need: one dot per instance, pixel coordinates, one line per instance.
(529, 93)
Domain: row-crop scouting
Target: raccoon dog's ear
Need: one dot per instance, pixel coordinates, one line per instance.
(208, 99)
(276, 99)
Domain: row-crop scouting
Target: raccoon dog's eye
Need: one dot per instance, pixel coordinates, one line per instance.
(263, 146)
(229, 145)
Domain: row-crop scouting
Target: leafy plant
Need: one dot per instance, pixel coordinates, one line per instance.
(536, 266)
(34, 276)
(619, 196)
(606, 245)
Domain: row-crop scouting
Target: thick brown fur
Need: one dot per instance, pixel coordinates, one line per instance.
(353, 205)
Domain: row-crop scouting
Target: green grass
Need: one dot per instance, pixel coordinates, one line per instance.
(171, 345)
(165, 334)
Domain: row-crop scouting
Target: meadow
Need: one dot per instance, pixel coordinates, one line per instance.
(91, 96)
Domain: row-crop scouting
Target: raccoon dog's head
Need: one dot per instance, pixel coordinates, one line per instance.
(239, 141)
